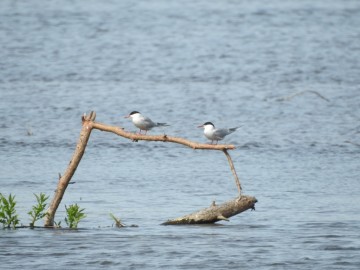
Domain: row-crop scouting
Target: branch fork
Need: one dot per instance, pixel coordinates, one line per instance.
(88, 124)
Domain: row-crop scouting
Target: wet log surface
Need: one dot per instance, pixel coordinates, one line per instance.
(216, 213)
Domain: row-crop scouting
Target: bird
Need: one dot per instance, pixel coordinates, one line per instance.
(143, 122)
(215, 134)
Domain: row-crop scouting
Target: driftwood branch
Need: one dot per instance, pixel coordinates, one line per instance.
(162, 138)
(216, 213)
(64, 180)
(237, 181)
(88, 124)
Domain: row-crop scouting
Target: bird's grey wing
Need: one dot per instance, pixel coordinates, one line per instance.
(148, 122)
(221, 133)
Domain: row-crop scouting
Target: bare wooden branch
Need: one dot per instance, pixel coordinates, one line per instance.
(66, 177)
(162, 138)
(216, 213)
(301, 93)
(88, 125)
(237, 181)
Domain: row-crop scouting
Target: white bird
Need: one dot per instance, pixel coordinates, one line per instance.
(215, 134)
(143, 122)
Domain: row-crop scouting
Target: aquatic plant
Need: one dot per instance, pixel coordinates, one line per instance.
(37, 211)
(8, 216)
(57, 224)
(74, 215)
(117, 221)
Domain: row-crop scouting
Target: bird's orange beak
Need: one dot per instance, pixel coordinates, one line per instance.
(127, 116)
(200, 126)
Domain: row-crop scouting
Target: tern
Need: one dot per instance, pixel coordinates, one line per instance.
(215, 134)
(143, 122)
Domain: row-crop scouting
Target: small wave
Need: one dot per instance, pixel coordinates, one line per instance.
(336, 247)
(250, 145)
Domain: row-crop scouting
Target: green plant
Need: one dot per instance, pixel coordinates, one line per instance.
(74, 215)
(57, 224)
(117, 221)
(37, 211)
(8, 216)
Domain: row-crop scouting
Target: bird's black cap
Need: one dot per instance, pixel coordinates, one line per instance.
(208, 123)
(133, 112)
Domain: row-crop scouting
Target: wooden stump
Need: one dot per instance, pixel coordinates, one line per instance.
(215, 212)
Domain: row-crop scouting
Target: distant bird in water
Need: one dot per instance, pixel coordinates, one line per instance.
(215, 134)
(143, 122)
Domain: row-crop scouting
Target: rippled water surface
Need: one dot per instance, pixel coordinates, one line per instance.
(184, 63)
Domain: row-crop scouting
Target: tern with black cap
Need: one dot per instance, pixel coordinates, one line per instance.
(143, 122)
(215, 134)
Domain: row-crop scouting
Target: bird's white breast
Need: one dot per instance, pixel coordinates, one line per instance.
(209, 132)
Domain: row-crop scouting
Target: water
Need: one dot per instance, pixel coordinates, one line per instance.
(184, 62)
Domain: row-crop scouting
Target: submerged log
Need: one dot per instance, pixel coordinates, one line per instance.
(216, 213)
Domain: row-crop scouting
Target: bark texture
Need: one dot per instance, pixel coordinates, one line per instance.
(64, 180)
(215, 213)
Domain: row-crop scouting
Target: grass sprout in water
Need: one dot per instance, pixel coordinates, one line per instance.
(57, 224)
(74, 215)
(8, 216)
(37, 211)
(117, 221)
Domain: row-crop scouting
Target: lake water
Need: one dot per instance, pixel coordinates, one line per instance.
(184, 63)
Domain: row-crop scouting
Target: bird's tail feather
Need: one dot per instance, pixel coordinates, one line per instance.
(162, 125)
(234, 128)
